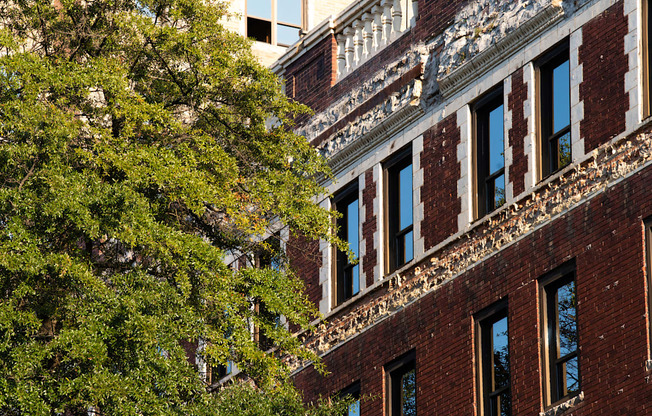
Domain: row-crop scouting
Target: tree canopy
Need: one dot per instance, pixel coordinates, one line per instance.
(140, 144)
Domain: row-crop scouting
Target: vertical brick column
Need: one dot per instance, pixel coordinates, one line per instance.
(602, 56)
(441, 171)
(517, 134)
(369, 229)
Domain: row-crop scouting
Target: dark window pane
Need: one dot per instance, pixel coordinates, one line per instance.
(259, 8)
(496, 142)
(561, 97)
(564, 150)
(354, 409)
(566, 304)
(572, 383)
(500, 354)
(409, 393)
(286, 35)
(505, 404)
(260, 30)
(289, 11)
(409, 247)
(499, 191)
(405, 197)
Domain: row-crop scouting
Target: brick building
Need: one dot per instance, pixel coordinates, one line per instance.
(494, 168)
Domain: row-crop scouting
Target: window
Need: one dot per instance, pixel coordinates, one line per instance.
(269, 255)
(398, 173)
(489, 153)
(347, 274)
(354, 391)
(493, 361)
(402, 386)
(274, 21)
(554, 110)
(647, 57)
(561, 353)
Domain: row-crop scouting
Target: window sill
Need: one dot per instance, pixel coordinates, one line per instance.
(562, 407)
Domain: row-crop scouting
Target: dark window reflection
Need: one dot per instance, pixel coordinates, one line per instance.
(490, 153)
(562, 322)
(409, 394)
(495, 365)
(555, 112)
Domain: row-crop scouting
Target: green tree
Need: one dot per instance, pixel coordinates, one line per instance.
(136, 151)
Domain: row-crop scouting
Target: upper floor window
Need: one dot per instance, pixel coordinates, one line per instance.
(347, 274)
(400, 238)
(402, 386)
(561, 339)
(554, 114)
(489, 153)
(494, 362)
(354, 392)
(274, 21)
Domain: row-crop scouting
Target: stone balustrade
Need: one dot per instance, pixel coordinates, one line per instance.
(364, 30)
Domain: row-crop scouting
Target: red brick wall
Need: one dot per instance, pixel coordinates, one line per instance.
(305, 260)
(309, 78)
(440, 174)
(369, 226)
(604, 239)
(603, 87)
(516, 139)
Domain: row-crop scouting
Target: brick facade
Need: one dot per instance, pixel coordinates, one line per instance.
(516, 136)
(440, 173)
(587, 216)
(369, 226)
(603, 87)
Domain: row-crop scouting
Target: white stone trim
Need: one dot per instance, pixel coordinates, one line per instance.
(464, 158)
(530, 140)
(577, 105)
(508, 157)
(326, 269)
(379, 232)
(418, 212)
(362, 243)
(633, 49)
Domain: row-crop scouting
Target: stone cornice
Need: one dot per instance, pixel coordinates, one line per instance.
(576, 184)
(505, 47)
(391, 124)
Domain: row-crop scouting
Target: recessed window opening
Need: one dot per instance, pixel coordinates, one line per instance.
(554, 114)
(489, 152)
(398, 173)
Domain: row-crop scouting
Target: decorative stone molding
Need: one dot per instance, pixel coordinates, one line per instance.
(474, 46)
(574, 185)
(563, 407)
(376, 125)
(372, 85)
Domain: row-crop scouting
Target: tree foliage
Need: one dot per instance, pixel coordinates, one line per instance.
(140, 143)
